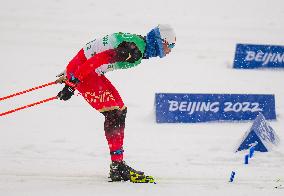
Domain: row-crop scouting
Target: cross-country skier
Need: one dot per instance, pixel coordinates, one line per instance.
(86, 73)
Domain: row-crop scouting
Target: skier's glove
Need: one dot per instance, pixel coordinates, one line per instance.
(66, 93)
(68, 90)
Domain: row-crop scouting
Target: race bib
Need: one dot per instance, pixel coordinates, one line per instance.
(99, 45)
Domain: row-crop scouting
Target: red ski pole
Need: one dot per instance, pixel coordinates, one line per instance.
(28, 90)
(29, 105)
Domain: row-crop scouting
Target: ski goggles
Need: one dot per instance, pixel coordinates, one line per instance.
(172, 45)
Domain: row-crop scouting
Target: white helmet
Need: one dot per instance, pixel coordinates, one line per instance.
(167, 33)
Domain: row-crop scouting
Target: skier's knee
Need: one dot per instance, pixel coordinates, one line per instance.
(114, 119)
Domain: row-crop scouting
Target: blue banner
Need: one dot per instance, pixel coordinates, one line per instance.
(249, 56)
(193, 108)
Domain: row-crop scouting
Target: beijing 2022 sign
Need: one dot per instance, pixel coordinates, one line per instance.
(193, 108)
(250, 56)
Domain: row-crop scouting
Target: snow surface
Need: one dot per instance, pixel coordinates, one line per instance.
(59, 148)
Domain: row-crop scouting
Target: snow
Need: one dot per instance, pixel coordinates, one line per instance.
(59, 148)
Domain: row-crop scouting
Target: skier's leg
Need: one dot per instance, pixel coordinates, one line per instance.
(102, 95)
(115, 114)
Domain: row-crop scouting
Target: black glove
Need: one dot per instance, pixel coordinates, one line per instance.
(66, 93)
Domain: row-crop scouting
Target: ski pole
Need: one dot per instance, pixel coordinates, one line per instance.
(27, 106)
(28, 90)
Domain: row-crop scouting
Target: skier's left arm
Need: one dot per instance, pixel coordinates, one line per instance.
(125, 52)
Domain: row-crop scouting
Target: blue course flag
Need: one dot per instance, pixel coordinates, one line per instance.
(260, 136)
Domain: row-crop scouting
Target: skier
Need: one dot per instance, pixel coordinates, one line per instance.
(86, 73)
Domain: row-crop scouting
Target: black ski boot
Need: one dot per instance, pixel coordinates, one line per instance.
(119, 171)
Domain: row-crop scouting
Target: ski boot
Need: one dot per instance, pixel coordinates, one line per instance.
(119, 171)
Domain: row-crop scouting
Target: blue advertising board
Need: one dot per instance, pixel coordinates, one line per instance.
(261, 136)
(249, 56)
(193, 108)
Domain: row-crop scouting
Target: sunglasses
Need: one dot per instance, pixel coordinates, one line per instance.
(172, 45)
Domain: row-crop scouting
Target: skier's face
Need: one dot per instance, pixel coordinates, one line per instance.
(166, 47)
